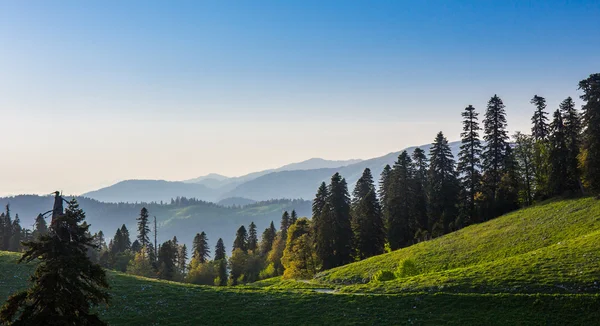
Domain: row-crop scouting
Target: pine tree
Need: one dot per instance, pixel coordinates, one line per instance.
(182, 259)
(66, 284)
(384, 181)
(401, 229)
(525, 156)
(293, 217)
(125, 239)
(494, 152)
(540, 130)
(469, 163)
(266, 242)
(367, 219)
(443, 186)
(136, 246)
(510, 184)
(252, 237)
(420, 184)
(220, 253)
(167, 260)
(324, 237)
(339, 199)
(143, 228)
(318, 204)
(116, 244)
(241, 240)
(572, 124)
(16, 238)
(41, 227)
(200, 249)
(591, 133)
(7, 229)
(285, 224)
(558, 156)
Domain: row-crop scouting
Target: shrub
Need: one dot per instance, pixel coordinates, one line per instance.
(407, 268)
(383, 276)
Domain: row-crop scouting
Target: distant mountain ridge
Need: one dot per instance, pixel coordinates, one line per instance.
(296, 180)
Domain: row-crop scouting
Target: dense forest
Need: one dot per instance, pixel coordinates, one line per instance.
(420, 197)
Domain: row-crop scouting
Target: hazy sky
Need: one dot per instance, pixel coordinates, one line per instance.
(94, 92)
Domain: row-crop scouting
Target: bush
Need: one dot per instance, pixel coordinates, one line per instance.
(383, 276)
(407, 268)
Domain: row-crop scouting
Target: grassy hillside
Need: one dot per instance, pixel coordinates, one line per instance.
(549, 248)
(140, 301)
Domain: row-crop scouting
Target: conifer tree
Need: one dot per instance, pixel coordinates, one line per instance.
(318, 204)
(510, 183)
(400, 201)
(525, 155)
(420, 184)
(200, 249)
(167, 260)
(241, 239)
(16, 238)
(591, 133)
(540, 130)
(252, 237)
(116, 244)
(443, 186)
(136, 246)
(66, 284)
(494, 152)
(384, 181)
(339, 199)
(572, 125)
(558, 156)
(266, 242)
(323, 237)
(285, 224)
(293, 217)
(41, 227)
(220, 250)
(7, 229)
(125, 239)
(469, 163)
(182, 259)
(143, 228)
(367, 219)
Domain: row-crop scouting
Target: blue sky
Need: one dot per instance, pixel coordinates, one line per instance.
(173, 90)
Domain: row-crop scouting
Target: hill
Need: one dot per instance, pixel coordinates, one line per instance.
(134, 191)
(141, 301)
(182, 219)
(549, 248)
(237, 201)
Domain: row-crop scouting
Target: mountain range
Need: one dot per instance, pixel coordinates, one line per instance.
(296, 180)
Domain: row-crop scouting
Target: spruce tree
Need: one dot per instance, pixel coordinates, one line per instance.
(167, 260)
(143, 228)
(400, 201)
(367, 220)
(469, 163)
(7, 229)
(318, 204)
(494, 152)
(293, 217)
(285, 224)
(200, 249)
(540, 130)
(558, 156)
(241, 240)
(41, 227)
(136, 246)
(420, 184)
(510, 184)
(324, 237)
(591, 133)
(125, 239)
(16, 238)
(252, 237)
(182, 259)
(525, 155)
(572, 125)
(384, 181)
(220, 250)
(443, 186)
(266, 241)
(339, 199)
(66, 284)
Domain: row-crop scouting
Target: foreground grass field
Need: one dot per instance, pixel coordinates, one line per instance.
(539, 266)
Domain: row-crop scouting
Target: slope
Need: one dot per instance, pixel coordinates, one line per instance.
(550, 248)
(141, 301)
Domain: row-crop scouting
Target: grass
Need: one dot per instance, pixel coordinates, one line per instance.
(538, 266)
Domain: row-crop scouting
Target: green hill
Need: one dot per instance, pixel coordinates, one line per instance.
(537, 266)
(549, 248)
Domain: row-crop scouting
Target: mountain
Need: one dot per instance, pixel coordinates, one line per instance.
(235, 201)
(304, 183)
(183, 218)
(132, 191)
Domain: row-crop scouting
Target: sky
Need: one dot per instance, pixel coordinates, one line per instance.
(95, 92)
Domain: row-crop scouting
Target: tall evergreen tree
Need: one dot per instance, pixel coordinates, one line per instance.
(285, 224)
(252, 237)
(401, 228)
(66, 284)
(143, 228)
(339, 199)
(266, 242)
(116, 244)
(6, 229)
(525, 155)
(420, 184)
(324, 237)
(573, 128)
(167, 260)
(443, 186)
(182, 259)
(591, 133)
(367, 219)
(469, 163)
(384, 182)
(494, 152)
(558, 156)
(40, 226)
(540, 130)
(318, 205)
(241, 239)
(125, 239)
(510, 184)
(200, 249)
(220, 253)
(17, 235)
(293, 217)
